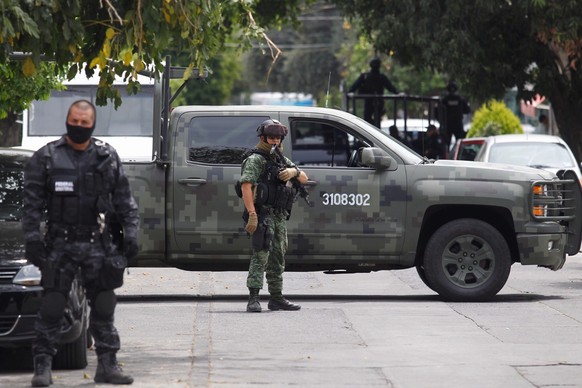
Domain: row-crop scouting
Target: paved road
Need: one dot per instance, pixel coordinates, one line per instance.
(382, 329)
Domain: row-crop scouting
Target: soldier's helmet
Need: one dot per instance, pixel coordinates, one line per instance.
(452, 86)
(272, 127)
(375, 63)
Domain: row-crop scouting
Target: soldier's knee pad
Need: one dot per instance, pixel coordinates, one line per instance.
(105, 302)
(53, 306)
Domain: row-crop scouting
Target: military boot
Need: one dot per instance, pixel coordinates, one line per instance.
(277, 302)
(42, 371)
(254, 306)
(109, 371)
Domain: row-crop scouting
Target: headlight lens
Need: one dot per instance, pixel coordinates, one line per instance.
(540, 210)
(29, 275)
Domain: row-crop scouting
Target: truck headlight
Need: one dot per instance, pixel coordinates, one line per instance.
(29, 275)
(539, 209)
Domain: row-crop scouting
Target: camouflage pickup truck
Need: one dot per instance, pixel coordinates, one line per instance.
(376, 205)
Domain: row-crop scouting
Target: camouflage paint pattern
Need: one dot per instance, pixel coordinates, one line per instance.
(362, 219)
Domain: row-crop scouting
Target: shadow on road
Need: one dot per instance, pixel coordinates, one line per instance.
(153, 298)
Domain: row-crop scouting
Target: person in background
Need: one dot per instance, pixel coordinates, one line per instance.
(434, 146)
(450, 113)
(373, 82)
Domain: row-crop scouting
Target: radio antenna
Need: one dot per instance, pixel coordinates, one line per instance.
(327, 94)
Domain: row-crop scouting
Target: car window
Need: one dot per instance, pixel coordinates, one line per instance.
(11, 182)
(320, 143)
(222, 139)
(531, 154)
(468, 151)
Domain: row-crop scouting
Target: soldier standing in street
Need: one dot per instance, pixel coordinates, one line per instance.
(81, 184)
(268, 196)
(373, 82)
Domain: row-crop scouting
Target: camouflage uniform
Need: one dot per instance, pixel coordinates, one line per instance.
(271, 261)
(73, 240)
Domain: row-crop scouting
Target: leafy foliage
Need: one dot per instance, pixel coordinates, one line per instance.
(122, 37)
(18, 91)
(494, 118)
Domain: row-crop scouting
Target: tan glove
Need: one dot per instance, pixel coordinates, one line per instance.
(288, 173)
(251, 225)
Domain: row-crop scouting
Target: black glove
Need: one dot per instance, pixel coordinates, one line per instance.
(130, 247)
(35, 252)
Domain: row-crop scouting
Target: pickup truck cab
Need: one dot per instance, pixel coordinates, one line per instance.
(375, 204)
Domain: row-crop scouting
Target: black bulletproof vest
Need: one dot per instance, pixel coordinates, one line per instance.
(270, 189)
(74, 185)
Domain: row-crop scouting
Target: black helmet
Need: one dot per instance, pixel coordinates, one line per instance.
(375, 63)
(272, 127)
(452, 86)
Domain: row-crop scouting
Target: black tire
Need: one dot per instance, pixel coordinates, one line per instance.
(422, 274)
(467, 260)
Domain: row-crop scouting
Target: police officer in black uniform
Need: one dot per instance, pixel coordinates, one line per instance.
(80, 183)
(373, 82)
(450, 113)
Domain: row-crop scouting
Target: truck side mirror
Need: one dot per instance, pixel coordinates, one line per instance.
(376, 158)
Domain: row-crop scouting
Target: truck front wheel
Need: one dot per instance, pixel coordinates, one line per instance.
(467, 260)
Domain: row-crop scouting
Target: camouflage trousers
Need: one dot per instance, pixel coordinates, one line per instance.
(67, 259)
(270, 262)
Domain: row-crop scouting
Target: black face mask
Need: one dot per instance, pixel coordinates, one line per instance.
(78, 134)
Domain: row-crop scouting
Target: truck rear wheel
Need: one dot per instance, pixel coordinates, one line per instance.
(467, 260)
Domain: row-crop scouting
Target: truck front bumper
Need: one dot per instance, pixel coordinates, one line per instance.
(546, 247)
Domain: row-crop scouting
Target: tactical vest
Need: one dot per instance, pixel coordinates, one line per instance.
(73, 188)
(270, 190)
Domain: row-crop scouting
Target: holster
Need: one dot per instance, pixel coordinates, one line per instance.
(114, 264)
(261, 239)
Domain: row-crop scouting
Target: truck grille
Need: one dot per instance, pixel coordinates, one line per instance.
(7, 274)
(554, 200)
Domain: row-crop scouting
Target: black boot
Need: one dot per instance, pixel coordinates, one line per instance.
(277, 302)
(108, 371)
(42, 371)
(254, 306)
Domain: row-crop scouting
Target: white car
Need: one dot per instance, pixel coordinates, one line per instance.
(547, 152)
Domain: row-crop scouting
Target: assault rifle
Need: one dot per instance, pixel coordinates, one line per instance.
(301, 190)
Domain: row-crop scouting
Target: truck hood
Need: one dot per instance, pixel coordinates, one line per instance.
(493, 171)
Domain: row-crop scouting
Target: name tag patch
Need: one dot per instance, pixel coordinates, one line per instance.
(64, 187)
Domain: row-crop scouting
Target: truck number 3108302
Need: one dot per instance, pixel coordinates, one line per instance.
(345, 199)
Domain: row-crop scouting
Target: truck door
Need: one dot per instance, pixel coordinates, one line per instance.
(206, 212)
(357, 211)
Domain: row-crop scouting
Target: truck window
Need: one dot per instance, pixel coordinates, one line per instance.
(222, 139)
(319, 143)
(132, 118)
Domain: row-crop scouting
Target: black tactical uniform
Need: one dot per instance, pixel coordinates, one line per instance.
(75, 187)
(452, 107)
(373, 82)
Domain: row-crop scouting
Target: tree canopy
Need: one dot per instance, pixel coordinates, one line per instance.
(123, 37)
(488, 46)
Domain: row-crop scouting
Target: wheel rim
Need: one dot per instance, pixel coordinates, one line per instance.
(468, 261)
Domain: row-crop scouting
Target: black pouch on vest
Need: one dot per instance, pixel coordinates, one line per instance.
(111, 274)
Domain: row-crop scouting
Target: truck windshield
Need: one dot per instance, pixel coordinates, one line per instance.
(132, 118)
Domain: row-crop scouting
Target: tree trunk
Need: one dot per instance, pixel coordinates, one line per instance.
(10, 131)
(568, 113)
